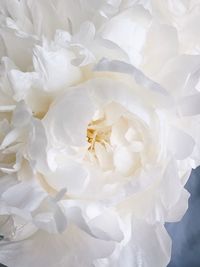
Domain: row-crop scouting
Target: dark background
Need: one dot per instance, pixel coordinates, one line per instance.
(186, 234)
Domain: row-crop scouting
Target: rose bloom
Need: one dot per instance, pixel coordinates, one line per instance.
(99, 129)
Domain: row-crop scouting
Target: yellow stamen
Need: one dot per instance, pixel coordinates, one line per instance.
(98, 132)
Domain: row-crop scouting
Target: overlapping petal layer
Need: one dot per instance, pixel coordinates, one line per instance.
(99, 129)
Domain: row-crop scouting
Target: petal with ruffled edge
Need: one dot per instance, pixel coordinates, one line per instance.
(73, 248)
(148, 245)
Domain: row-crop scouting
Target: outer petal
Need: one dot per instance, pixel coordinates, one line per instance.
(23, 46)
(45, 17)
(180, 143)
(69, 174)
(161, 44)
(72, 248)
(131, 25)
(148, 245)
(55, 68)
(25, 196)
(177, 74)
(37, 145)
(172, 193)
(106, 226)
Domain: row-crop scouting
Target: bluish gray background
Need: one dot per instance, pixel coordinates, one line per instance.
(186, 234)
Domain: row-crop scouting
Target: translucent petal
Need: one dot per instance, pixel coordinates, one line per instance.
(55, 250)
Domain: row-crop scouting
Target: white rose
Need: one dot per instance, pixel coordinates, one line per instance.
(94, 154)
(113, 149)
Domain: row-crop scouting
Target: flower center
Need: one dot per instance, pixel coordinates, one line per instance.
(115, 142)
(97, 131)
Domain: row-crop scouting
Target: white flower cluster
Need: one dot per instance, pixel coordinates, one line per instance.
(99, 129)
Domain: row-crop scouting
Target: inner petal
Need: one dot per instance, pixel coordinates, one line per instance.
(112, 143)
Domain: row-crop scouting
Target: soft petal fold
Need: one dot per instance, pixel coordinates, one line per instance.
(55, 250)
